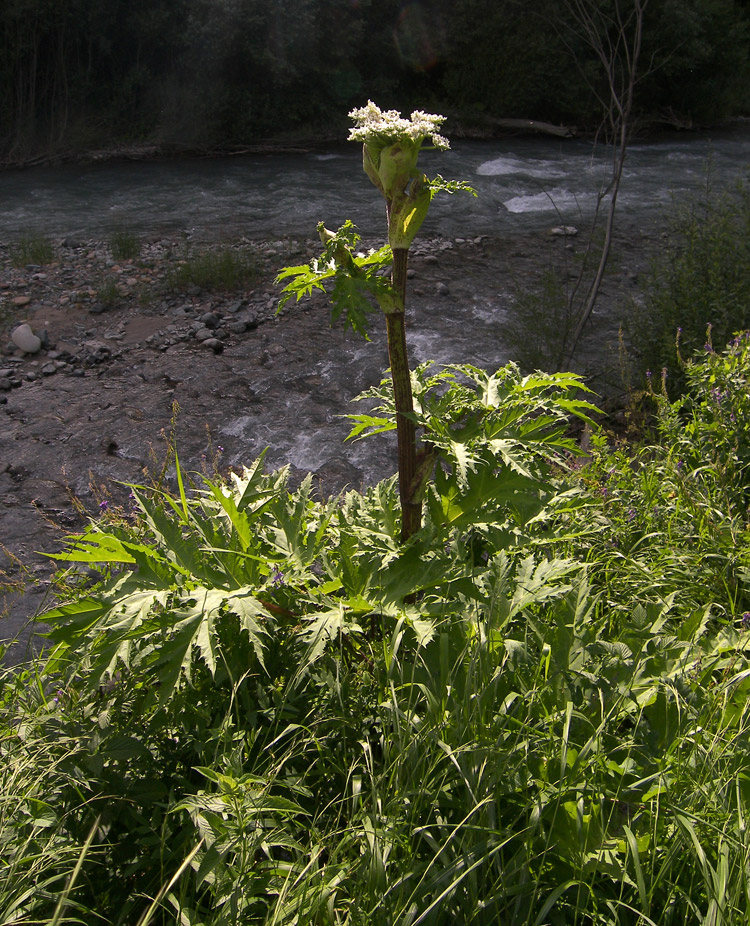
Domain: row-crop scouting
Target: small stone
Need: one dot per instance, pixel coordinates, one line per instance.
(430, 259)
(25, 339)
(21, 300)
(204, 334)
(210, 320)
(442, 289)
(5, 385)
(563, 231)
(411, 273)
(48, 369)
(96, 308)
(237, 327)
(215, 344)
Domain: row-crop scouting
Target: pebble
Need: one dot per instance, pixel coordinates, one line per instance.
(215, 344)
(25, 339)
(21, 300)
(210, 320)
(442, 289)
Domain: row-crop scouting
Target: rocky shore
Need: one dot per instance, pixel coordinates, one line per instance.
(104, 361)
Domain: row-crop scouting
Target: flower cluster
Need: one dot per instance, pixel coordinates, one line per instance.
(390, 149)
(376, 125)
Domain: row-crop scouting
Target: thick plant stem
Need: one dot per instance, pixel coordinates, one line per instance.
(411, 512)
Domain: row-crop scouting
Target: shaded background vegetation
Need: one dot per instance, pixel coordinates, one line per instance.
(77, 74)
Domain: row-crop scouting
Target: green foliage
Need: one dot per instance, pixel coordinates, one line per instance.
(356, 279)
(225, 269)
(108, 292)
(271, 710)
(124, 244)
(542, 322)
(703, 77)
(40, 800)
(200, 73)
(674, 514)
(699, 290)
(495, 437)
(32, 249)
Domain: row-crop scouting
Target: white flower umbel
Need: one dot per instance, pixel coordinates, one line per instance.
(391, 147)
(374, 124)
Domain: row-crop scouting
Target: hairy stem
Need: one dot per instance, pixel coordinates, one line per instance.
(411, 512)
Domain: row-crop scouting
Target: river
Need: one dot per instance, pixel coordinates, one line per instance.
(523, 184)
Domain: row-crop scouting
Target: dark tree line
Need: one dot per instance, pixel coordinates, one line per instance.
(202, 73)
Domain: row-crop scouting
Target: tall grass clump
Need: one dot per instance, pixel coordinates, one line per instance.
(124, 244)
(688, 490)
(42, 801)
(225, 269)
(699, 281)
(109, 293)
(33, 248)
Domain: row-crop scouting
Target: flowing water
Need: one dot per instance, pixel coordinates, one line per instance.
(523, 184)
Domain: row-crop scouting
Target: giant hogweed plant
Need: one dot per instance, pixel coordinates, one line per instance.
(254, 557)
(390, 151)
(225, 614)
(272, 710)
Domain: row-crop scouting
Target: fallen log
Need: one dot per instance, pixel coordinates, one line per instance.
(532, 125)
